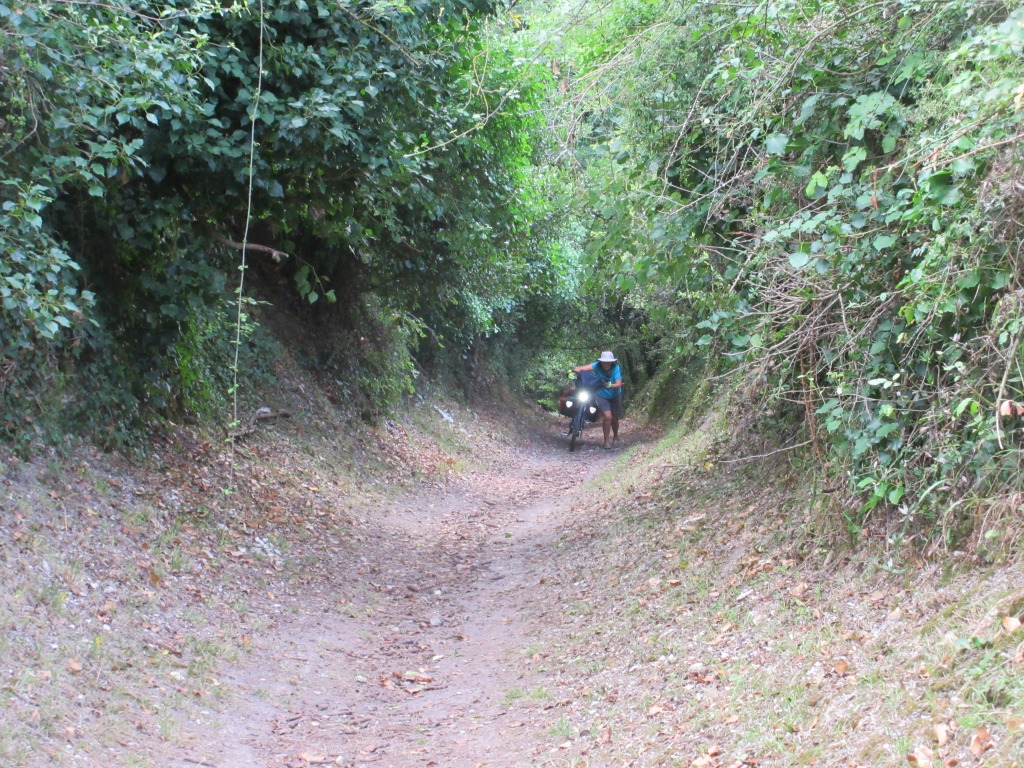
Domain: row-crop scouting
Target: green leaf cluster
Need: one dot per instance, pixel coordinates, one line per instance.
(391, 149)
(827, 194)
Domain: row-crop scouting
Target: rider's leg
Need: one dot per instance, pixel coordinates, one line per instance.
(606, 425)
(615, 411)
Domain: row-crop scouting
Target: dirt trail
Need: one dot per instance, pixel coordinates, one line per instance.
(509, 615)
(404, 654)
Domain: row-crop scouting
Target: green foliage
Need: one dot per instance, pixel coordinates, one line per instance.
(383, 367)
(203, 356)
(548, 377)
(393, 173)
(39, 302)
(827, 195)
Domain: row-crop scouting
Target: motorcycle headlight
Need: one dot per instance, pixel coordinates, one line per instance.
(568, 403)
(584, 396)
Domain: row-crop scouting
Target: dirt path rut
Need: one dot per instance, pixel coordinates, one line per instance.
(404, 654)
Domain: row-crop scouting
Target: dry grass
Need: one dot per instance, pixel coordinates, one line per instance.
(716, 637)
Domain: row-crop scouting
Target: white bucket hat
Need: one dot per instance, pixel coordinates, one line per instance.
(606, 357)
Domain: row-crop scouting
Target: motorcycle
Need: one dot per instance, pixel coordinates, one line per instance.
(578, 404)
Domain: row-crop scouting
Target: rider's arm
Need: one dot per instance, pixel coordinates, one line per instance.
(617, 384)
(589, 367)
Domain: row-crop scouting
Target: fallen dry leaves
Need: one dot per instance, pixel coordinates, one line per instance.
(981, 741)
(922, 757)
(711, 652)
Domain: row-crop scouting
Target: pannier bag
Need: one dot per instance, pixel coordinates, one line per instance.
(567, 403)
(567, 410)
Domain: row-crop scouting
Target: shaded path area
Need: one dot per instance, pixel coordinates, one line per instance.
(404, 654)
(646, 608)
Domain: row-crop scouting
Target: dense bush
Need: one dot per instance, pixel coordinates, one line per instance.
(829, 193)
(391, 170)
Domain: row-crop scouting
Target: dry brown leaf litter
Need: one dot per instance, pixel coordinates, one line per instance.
(379, 598)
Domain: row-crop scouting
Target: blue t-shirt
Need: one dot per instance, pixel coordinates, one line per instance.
(608, 377)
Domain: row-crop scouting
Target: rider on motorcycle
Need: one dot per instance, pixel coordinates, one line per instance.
(609, 397)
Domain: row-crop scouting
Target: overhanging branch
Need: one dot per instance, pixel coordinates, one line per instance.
(275, 254)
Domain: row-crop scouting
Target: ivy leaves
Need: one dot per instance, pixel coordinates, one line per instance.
(38, 301)
(393, 169)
